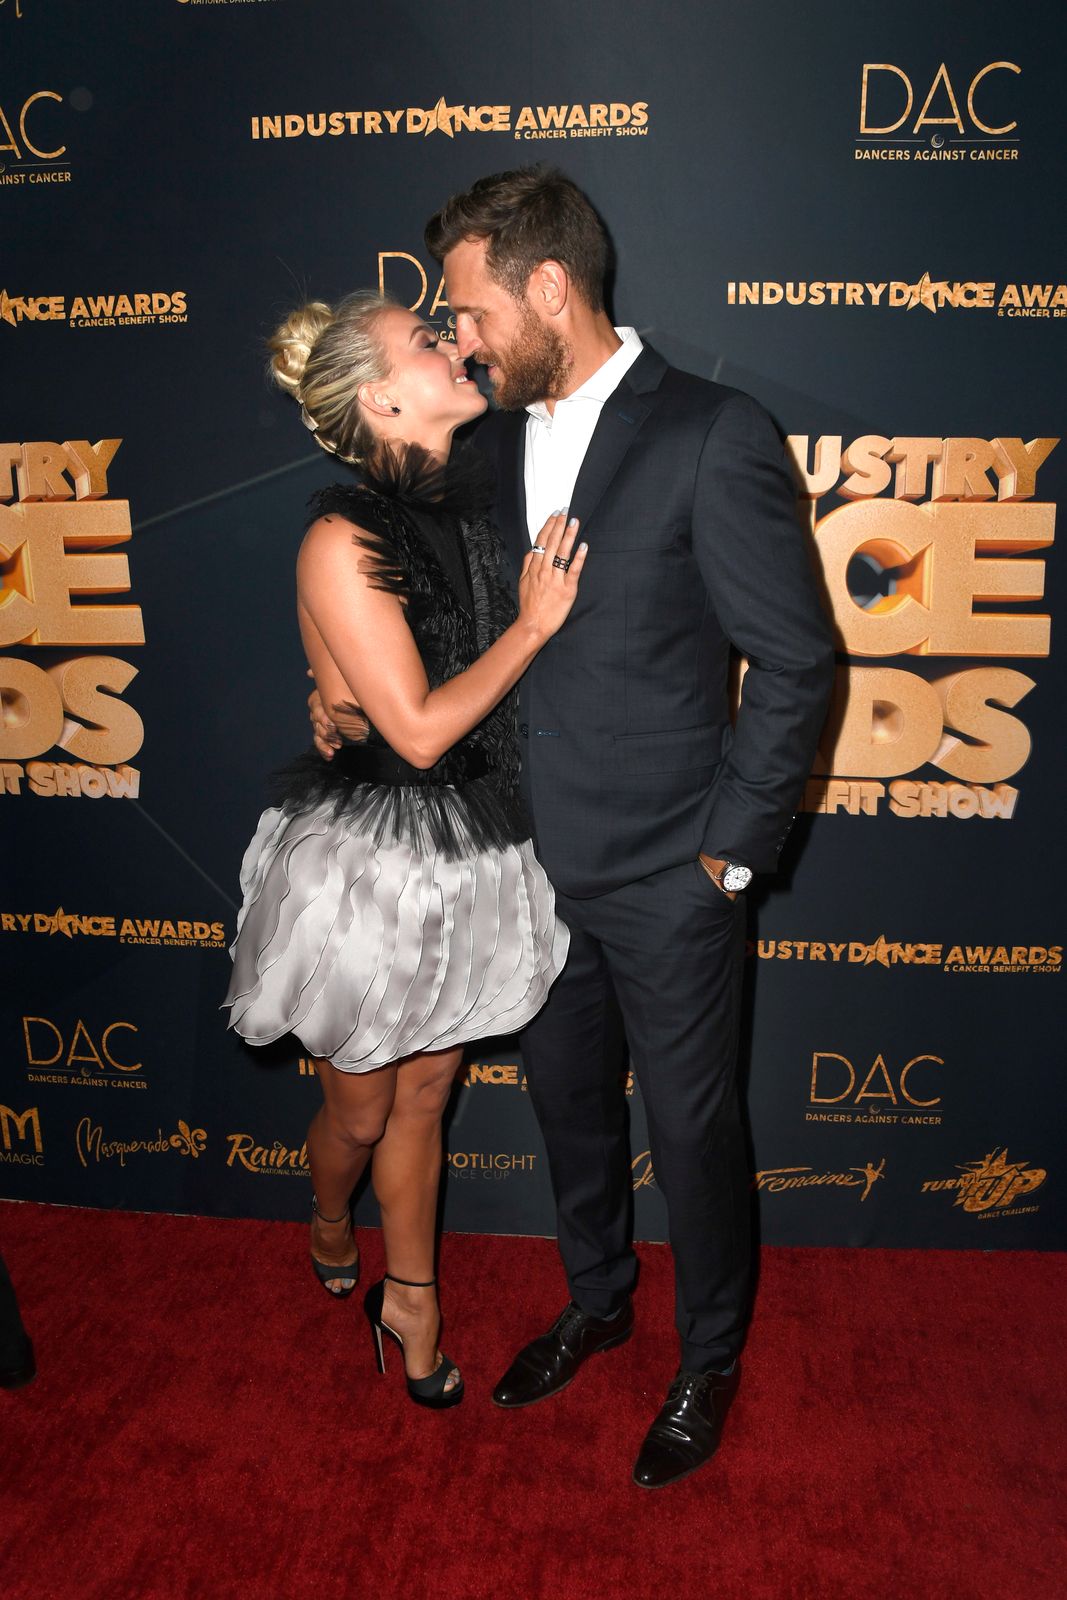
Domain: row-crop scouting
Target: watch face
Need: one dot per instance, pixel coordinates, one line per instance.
(736, 878)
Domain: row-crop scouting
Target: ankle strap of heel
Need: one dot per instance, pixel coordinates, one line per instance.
(344, 1217)
(408, 1284)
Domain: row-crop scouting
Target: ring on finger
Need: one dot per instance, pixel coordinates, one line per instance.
(558, 561)
(538, 549)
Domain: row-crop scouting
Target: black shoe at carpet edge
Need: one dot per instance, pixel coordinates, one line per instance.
(687, 1430)
(13, 1377)
(547, 1365)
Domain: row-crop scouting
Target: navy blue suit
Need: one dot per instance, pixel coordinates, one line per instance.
(630, 770)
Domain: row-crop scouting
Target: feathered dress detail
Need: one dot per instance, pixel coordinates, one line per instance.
(388, 909)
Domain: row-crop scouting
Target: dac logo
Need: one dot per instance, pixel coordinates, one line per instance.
(887, 99)
(22, 141)
(991, 1187)
(83, 1059)
(26, 1128)
(882, 1096)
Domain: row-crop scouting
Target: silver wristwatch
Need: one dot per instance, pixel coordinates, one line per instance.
(734, 876)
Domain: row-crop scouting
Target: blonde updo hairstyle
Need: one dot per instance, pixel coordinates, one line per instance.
(322, 357)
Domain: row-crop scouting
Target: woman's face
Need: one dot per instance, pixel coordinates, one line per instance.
(427, 377)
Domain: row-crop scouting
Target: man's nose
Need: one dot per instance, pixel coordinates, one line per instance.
(466, 335)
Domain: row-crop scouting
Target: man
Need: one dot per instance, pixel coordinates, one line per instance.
(650, 815)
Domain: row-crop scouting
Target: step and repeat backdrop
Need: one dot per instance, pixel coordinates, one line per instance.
(857, 219)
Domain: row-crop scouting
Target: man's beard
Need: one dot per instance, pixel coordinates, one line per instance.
(535, 366)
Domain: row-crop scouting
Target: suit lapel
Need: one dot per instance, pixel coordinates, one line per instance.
(617, 427)
(511, 488)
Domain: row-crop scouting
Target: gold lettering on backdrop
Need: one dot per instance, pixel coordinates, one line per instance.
(958, 576)
(941, 89)
(58, 533)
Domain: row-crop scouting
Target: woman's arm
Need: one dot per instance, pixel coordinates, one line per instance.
(372, 655)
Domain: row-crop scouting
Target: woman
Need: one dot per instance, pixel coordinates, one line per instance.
(393, 907)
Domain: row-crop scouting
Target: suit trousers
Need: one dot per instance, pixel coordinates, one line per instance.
(659, 960)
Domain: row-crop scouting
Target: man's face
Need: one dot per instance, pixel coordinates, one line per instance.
(526, 358)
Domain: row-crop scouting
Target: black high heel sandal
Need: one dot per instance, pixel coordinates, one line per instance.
(327, 1273)
(429, 1391)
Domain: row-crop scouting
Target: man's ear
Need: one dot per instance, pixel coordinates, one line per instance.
(549, 288)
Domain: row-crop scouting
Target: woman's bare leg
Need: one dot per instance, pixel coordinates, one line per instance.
(342, 1135)
(406, 1173)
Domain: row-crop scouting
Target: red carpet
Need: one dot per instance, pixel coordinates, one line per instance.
(207, 1424)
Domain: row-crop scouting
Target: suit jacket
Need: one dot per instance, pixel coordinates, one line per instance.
(630, 764)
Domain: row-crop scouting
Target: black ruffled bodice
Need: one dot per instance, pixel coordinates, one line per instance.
(425, 534)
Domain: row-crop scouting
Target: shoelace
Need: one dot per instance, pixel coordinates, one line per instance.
(567, 1319)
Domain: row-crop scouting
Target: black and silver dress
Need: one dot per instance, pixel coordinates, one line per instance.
(390, 910)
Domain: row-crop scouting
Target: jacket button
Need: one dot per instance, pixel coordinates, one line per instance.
(524, 729)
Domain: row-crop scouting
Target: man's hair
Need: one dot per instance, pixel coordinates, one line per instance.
(531, 215)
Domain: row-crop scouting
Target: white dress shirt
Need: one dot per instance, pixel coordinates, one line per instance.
(556, 442)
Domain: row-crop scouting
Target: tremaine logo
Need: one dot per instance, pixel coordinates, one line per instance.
(777, 1180)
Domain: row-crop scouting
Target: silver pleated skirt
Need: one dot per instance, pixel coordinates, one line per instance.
(368, 953)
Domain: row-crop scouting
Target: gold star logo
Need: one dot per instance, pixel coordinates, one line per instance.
(61, 923)
(879, 951)
(7, 307)
(440, 118)
(923, 293)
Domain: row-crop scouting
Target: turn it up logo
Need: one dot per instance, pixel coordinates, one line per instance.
(960, 117)
(991, 1187)
(935, 549)
(59, 572)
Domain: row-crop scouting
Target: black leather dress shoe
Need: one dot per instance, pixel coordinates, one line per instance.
(686, 1432)
(548, 1364)
(14, 1376)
